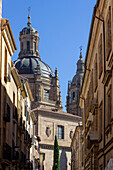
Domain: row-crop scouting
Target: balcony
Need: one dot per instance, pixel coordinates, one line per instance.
(92, 138)
(7, 152)
(6, 115)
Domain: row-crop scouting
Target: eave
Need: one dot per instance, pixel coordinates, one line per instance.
(16, 77)
(5, 26)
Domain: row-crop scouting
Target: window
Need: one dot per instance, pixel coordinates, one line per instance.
(108, 36)
(46, 94)
(28, 45)
(5, 63)
(73, 95)
(34, 46)
(13, 103)
(60, 132)
(100, 56)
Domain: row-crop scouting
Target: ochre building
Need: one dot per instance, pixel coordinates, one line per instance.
(96, 99)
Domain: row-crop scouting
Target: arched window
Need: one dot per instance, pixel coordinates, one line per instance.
(73, 95)
(34, 46)
(28, 45)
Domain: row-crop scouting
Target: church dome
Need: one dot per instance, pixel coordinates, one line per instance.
(29, 61)
(32, 65)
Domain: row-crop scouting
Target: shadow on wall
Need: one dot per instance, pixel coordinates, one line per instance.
(63, 160)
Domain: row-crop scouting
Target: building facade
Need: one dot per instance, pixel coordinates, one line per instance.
(96, 97)
(76, 149)
(74, 88)
(6, 97)
(16, 121)
(47, 104)
(54, 122)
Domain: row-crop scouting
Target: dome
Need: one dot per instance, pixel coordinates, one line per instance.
(28, 30)
(33, 65)
(77, 79)
(29, 61)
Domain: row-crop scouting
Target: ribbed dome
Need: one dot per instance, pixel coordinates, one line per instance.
(32, 65)
(77, 79)
(28, 30)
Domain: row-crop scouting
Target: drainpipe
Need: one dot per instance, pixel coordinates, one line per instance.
(104, 74)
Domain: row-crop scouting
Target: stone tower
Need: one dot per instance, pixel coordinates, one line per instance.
(43, 83)
(74, 88)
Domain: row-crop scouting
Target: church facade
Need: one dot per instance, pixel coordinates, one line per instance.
(47, 104)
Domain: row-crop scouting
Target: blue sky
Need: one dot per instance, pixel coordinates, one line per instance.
(63, 26)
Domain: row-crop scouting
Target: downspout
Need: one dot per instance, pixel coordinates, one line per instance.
(0, 62)
(104, 89)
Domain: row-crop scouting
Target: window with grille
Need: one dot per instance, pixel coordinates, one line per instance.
(46, 94)
(60, 132)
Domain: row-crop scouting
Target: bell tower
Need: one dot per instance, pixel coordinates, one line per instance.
(29, 39)
(74, 88)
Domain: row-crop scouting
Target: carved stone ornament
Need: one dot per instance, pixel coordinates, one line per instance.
(71, 134)
(48, 131)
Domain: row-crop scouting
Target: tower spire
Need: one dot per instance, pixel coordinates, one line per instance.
(80, 52)
(29, 17)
